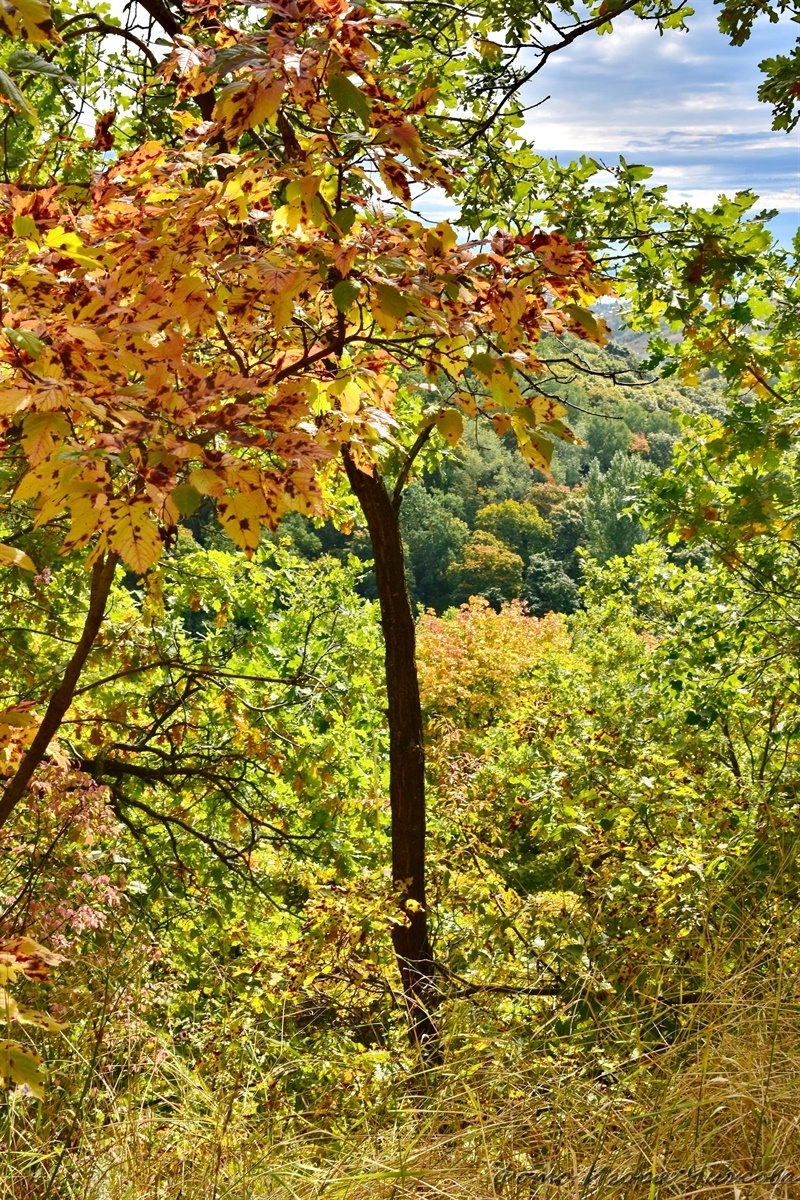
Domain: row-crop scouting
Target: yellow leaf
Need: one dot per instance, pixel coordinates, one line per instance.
(8, 1006)
(240, 516)
(195, 303)
(29, 19)
(135, 538)
(11, 557)
(40, 433)
(90, 337)
(14, 399)
(544, 409)
(207, 482)
(70, 245)
(32, 1016)
(22, 1067)
(537, 451)
(350, 398)
(86, 520)
(267, 103)
(24, 955)
(450, 424)
(504, 388)
(467, 402)
(513, 304)
(491, 51)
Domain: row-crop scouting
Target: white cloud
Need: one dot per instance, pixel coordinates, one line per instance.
(684, 103)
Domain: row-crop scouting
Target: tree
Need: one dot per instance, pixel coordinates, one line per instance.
(227, 322)
(611, 531)
(519, 526)
(487, 569)
(548, 587)
(226, 312)
(434, 539)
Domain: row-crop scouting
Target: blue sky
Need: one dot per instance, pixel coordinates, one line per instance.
(684, 103)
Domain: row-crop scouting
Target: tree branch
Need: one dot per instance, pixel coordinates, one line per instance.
(118, 31)
(422, 438)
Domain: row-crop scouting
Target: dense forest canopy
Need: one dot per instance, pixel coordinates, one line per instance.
(398, 732)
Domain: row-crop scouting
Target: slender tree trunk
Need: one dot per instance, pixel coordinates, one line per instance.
(102, 578)
(406, 751)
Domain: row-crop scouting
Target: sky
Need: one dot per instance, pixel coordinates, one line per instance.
(684, 103)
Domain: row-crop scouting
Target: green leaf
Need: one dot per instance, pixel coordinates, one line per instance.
(347, 96)
(12, 93)
(482, 363)
(23, 339)
(187, 498)
(345, 294)
(344, 218)
(34, 64)
(677, 20)
(638, 172)
(392, 301)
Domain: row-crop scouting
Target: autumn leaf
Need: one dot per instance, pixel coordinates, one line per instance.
(241, 517)
(39, 1020)
(103, 137)
(450, 424)
(537, 451)
(135, 537)
(206, 482)
(28, 19)
(40, 433)
(11, 557)
(395, 179)
(587, 321)
(22, 1067)
(23, 956)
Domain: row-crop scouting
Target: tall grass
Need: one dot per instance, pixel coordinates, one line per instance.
(722, 1095)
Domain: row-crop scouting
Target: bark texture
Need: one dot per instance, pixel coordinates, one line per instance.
(406, 751)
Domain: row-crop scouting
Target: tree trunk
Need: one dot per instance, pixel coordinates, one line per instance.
(406, 752)
(102, 578)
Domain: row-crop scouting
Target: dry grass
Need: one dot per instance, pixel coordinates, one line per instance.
(723, 1096)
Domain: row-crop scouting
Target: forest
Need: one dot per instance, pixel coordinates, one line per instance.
(399, 729)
